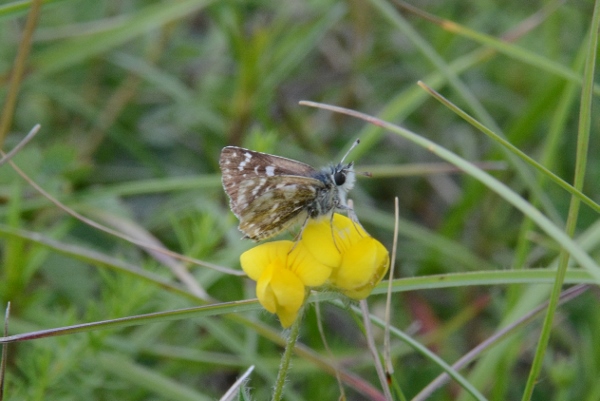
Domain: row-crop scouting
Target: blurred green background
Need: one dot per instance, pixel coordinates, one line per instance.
(136, 100)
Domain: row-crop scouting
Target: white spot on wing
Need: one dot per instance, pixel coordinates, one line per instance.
(242, 165)
(270, 170)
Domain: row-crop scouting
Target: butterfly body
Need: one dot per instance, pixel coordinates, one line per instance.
(270, 193)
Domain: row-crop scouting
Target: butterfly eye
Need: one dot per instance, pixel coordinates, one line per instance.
(339, 178)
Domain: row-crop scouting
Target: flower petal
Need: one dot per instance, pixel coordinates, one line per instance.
(264, 291)
(318, 239)
(362, 268)
(279, 288)
(289, 292)
(311, 271)
(255, 260)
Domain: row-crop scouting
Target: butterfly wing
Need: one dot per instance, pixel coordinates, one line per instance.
(250, 170)
(267, 193)
(239, 161)
(281, 203)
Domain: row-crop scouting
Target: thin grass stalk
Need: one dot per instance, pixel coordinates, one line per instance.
(580, 167)
(18, 70)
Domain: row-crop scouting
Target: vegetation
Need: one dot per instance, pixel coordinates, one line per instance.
(136, 99)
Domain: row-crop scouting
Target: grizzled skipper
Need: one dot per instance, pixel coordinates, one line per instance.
(269, 193)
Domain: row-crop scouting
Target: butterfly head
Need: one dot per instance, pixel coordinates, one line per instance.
(343, 176)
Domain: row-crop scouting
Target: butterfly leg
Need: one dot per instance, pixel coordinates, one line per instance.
(332, 234)
(349, 208)
(299, 235)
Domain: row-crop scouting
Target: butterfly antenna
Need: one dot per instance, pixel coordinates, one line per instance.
(350, 150)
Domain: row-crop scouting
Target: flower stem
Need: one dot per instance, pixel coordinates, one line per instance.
(285, 358)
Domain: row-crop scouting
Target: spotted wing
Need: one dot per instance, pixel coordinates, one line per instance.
(280, 202)
(246, 172)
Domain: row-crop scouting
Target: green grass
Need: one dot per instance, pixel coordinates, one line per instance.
(135, 101)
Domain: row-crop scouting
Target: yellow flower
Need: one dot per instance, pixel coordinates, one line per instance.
(358, 261)
(282, 275)
(284, 270)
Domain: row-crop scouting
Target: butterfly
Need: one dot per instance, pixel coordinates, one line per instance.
(269, 193)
